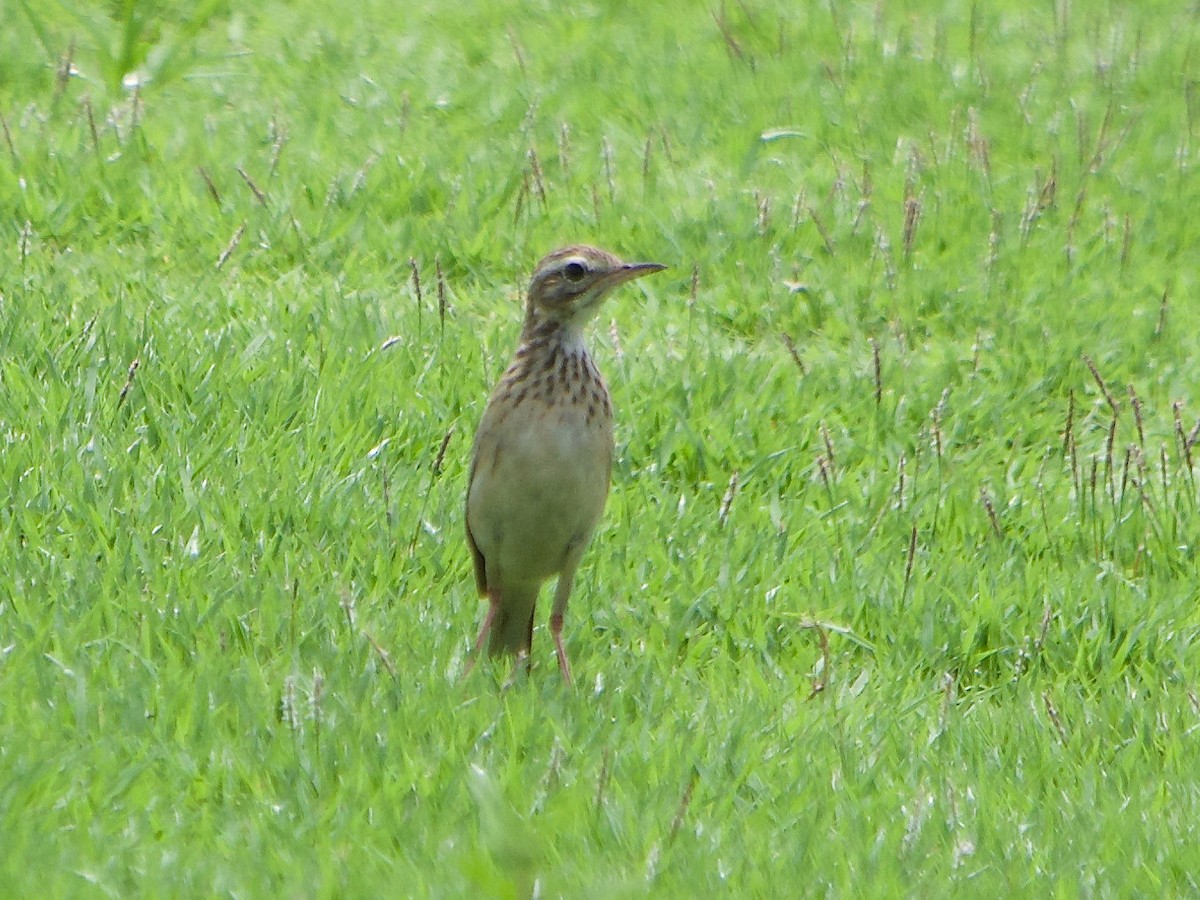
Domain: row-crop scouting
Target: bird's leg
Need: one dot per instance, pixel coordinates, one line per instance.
(562, 593)
(556, 624)
(488, 620)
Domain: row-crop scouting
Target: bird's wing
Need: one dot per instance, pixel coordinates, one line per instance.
(480, 568)
(476, 554)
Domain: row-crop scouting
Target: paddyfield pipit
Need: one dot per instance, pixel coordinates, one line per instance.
(543, 453)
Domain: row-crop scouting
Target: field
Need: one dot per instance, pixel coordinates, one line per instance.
(896, 593)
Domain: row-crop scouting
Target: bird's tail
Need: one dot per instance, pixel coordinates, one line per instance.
(512, 629)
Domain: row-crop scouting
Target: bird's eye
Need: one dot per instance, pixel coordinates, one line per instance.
(574, 271)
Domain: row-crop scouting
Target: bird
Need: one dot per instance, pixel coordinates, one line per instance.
(542, 456)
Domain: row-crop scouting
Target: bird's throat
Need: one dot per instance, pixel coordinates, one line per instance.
(542, 330)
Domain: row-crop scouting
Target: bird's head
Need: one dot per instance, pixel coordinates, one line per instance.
(568, 285)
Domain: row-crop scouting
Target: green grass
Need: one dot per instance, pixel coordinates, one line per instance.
(235, 596)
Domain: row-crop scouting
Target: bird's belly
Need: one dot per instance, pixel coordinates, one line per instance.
(538, 494)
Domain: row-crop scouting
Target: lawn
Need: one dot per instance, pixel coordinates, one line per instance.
(896, 593)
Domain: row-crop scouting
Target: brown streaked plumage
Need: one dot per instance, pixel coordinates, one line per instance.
(543, 453)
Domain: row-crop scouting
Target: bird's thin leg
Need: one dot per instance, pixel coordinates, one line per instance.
(488, 620)
(562, 593)
(556, 624)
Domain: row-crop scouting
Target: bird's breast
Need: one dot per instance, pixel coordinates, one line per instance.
(542, 463)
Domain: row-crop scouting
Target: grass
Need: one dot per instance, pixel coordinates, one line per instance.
(895, 593)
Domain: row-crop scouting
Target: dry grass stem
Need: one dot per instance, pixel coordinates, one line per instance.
(259, 195)
(793, 352)
(727, 500)
(133, 367)
(877, 369)
(986, 499)
(1112, 401)
(208, 183)
(1055, 719)
(231, 246)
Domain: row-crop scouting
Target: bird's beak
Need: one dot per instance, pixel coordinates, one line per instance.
(630, 271)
